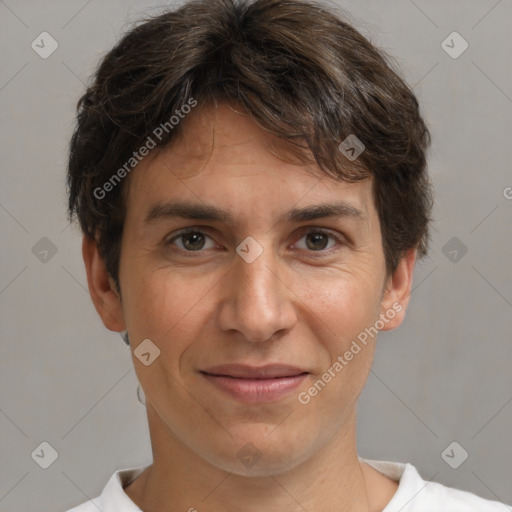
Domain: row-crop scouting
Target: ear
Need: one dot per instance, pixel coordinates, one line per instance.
(397, 292)
(104, 295)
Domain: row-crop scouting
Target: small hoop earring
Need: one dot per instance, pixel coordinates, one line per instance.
(140, 395)
(124, 335)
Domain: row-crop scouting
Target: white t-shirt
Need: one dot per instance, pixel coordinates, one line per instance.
(413, 494)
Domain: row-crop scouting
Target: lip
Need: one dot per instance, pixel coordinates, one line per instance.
(269, 371)
(251, 384)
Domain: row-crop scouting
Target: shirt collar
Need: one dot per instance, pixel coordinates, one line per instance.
(114, 499)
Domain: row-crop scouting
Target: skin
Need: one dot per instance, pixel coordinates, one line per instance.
(301, 302)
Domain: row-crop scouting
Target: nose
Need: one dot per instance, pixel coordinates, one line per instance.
(256, 300)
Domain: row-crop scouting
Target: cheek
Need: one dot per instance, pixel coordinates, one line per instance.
(349, 350)
(164, 307)
(347, 310)
(167, 307)
(346, 303)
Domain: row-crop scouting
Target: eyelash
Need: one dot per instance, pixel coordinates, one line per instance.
(185, 231)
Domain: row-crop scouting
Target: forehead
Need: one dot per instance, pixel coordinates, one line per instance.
(225, 157)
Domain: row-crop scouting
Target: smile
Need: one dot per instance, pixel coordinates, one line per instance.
(255, 385)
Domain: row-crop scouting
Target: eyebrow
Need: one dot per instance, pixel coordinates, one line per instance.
(187, 210)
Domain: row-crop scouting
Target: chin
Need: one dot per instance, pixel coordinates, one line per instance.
(256, 453)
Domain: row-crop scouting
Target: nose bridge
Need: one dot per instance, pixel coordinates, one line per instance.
(257, 302)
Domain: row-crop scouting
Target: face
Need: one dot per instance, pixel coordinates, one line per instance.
(249, 305)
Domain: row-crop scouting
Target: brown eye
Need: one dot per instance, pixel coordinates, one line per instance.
(190, 240)
(318, 241)
(193, 241)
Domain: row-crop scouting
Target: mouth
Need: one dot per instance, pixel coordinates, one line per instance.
(251, 384)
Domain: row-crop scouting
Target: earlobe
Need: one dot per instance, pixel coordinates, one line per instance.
(104, 294)
(398, 291)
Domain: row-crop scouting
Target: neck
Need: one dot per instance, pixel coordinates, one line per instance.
(332, 479)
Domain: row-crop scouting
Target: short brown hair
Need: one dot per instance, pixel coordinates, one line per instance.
(296, 67)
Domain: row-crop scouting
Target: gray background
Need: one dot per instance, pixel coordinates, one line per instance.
(443, 376)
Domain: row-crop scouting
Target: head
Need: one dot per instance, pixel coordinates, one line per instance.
(236, 121)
